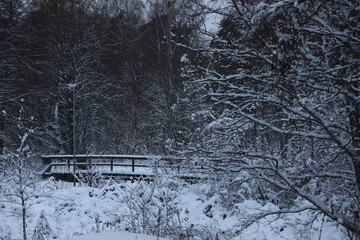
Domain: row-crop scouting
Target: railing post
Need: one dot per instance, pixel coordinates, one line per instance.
(90, 164)
(111, 164)
(133, 164)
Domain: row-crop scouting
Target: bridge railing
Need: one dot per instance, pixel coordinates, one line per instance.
(105, 163)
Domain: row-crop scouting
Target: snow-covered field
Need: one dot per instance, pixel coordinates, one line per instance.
(167, 208)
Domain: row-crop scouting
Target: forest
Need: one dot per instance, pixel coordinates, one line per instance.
(269, 90)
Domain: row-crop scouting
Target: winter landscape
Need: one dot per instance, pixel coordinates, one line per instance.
(177, 119)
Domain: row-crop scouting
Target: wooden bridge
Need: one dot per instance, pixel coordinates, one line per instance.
(68, 167)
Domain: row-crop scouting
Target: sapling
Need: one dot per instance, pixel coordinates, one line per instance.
(19, 182)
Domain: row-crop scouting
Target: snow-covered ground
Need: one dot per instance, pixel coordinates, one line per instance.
(167, 208)
(114, 236)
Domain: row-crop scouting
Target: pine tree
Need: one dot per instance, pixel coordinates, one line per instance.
(42, 230)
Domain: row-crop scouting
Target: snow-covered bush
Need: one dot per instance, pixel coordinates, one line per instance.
(154, 208)
(5, 233)
(43, 230)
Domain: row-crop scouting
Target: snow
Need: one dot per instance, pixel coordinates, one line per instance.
(184, 58)
(114, 236)
(71, 85)
(113, 210)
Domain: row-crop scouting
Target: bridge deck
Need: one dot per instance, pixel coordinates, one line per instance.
(63, 166)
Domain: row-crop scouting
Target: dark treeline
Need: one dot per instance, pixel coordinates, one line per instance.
(118, 58)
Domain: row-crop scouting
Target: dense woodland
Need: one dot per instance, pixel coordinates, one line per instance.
(273, 96)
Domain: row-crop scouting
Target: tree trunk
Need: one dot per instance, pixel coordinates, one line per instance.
(355, 125)
(23, 204)
(354, 118)
(2, 128)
